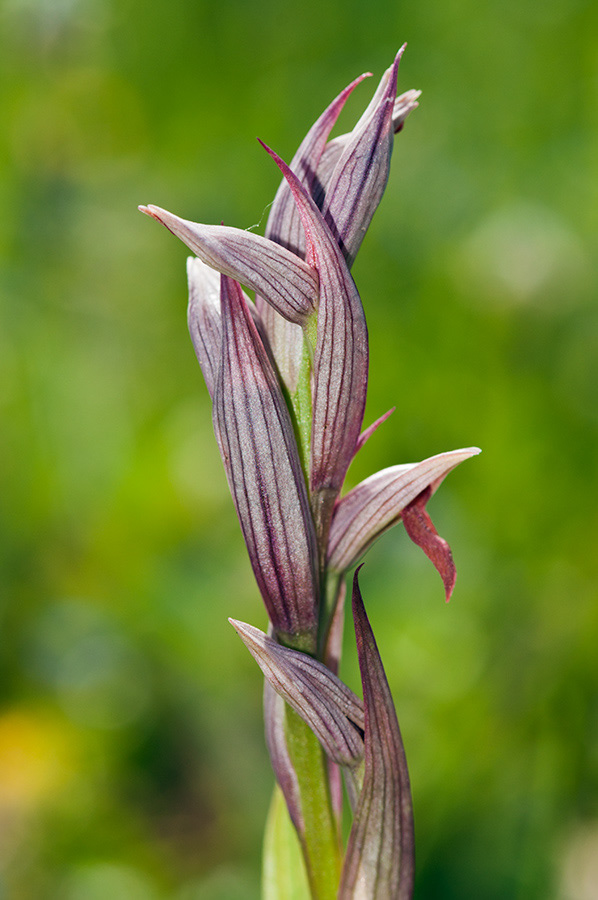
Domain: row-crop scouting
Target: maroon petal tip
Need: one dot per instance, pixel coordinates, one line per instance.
(422, 532)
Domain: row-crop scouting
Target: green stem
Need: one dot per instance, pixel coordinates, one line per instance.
(299, 401)
(302, 410)
(320, 836)
(320, 839)
(332, 583)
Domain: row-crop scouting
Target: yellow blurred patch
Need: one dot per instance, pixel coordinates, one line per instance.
(36, 758)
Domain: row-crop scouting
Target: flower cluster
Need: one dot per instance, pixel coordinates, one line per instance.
(287, 375)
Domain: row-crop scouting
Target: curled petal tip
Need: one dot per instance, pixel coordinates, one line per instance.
(286, 281)
(162, 216)
(246, 632)
(399, 55)
(380, 501)
(151, 210)
(268, 149)
(328, 706)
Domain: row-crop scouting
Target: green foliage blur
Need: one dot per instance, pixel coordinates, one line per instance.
(132, 761)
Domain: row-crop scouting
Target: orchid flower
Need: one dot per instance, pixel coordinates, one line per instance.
(287, 376)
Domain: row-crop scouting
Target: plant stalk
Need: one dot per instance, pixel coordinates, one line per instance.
(320, 840)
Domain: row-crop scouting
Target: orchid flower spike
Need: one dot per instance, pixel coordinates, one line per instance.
(287, 375)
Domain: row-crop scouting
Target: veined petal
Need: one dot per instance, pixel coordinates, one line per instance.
(332, 711)
(278, 275)
(284, 224)
(377, 503)
(379, 860)
(284, 227)
(360, 175)
(340, 360)
(258, 448)
(403, 105)
(203, 318)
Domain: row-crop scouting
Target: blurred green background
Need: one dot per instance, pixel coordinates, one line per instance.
(132, 762)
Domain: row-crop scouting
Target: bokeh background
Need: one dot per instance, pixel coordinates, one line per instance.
(132, 762)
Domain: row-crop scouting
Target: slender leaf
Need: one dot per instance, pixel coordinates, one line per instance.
(379, 863)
